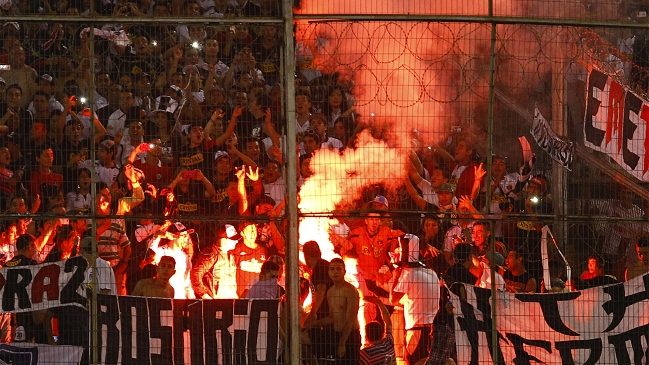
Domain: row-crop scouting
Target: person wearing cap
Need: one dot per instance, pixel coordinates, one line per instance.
(20, 74)
(106, 170)
(45, 84)
(418, 289)
(213, 276)
(318, 123)
(173, 239)
(447, 205)
(370, 244)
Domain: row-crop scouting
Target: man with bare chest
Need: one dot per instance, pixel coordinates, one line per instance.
(343, 300)
(159, 286)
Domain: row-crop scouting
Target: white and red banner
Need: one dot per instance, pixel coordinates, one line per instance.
(30, 288)
(616, 123)
(602, 325)
(139, 330)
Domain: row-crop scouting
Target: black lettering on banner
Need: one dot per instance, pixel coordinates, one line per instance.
(69, 293)
(631, 104)
(17, 281)
(522, 357)
(218, 316)
(257, 307)
(565, 350)
(594, 135)
(240, 309)
(181, 325)
(472, 326)
(195, 312)
(635, 336)
(126, 304)
(107, 318)
(164, 333)
(619, 301)
(550, 308)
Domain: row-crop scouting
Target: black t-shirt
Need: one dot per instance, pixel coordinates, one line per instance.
(195, 158)
(320, 275)
(459, 274)
(519, 282)
(193, 201)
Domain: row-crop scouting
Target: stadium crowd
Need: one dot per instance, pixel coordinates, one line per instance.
(179, 132)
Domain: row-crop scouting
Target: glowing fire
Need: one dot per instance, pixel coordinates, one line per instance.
(338, 180)
(180, 281)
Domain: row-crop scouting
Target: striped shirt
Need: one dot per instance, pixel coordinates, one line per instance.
(381, 353)
(111, 241)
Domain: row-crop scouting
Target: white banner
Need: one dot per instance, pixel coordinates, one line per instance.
(30, 288)
(616, 123)
(602, 325)
(560, 150)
